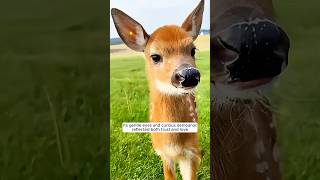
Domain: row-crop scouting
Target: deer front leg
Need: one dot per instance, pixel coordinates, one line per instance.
(168, 168)
(188, 168)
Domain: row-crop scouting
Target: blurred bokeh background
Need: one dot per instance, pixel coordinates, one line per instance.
(296, 97)
(53, 92)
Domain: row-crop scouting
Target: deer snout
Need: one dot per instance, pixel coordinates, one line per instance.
(261, 47)
(185, 76)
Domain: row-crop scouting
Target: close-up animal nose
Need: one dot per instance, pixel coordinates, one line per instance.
(261, 47)
(185, 76)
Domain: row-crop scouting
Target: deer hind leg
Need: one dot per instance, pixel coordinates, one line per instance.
(168, 168)
(188, 167)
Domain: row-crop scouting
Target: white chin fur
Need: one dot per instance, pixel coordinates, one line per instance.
(170, 90)
(222, 93)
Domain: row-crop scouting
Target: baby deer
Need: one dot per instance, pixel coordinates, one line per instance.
(170, 65)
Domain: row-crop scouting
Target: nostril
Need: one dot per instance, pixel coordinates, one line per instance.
(192, 77)
(179, 77)
(186, 77)
(197, 76)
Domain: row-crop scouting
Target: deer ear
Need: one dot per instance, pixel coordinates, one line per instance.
(129, 30)
(193, 22)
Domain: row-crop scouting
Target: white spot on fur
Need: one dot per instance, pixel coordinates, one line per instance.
(250, 119)
(170, 90)
(262, 167)
(259, 149)
(272, 125)
(268, 178)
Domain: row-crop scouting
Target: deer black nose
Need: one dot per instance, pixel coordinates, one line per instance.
(262, 49)
(185, 76)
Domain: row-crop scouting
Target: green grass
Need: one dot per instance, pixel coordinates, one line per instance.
(132, 156)
(52, 50)
(296, 97)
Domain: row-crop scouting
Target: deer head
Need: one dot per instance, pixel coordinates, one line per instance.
(169, 51)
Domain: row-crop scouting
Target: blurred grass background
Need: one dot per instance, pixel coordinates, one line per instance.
(57, 49)
(53, 92)
(296, 98)
(132, 155)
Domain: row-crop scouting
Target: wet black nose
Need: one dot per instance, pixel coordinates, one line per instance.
(262, 48)
(185, 76)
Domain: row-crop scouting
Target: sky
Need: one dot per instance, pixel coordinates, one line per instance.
(152, 14)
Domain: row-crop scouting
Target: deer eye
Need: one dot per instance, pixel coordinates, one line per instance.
(156, 58)
(193, 52)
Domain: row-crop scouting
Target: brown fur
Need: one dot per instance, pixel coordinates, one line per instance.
(175, 109)
(166, 108)
(238, 126)
(175, 45)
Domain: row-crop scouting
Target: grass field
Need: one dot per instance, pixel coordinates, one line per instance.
(132, 156)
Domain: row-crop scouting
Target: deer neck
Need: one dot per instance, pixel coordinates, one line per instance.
(244, 140)
(170, 108)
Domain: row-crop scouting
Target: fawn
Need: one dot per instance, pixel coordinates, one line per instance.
(172, 75)
(250, 50)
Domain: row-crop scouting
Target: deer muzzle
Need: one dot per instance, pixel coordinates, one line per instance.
(185, 76)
